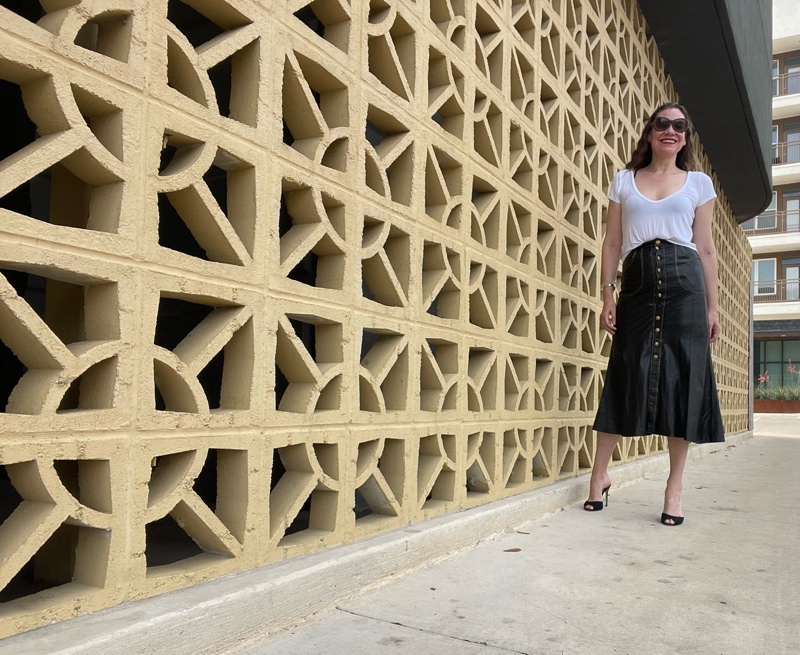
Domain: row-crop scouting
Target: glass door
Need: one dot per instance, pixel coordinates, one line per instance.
(793, 283)
(792, 65)
(792, 133)
(791, 200)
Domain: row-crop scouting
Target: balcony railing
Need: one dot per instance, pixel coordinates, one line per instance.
(773, 223)
(786, 84)
(776, 290)
(785, 152)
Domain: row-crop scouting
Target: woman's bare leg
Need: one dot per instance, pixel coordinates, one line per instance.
(678, 448)
(600, 478)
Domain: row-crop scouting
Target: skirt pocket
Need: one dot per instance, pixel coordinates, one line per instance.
(689, 270)
(632, 274)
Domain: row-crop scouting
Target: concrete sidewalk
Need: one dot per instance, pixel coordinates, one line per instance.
(726, 582)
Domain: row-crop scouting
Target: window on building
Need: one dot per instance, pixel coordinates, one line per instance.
(776, 149)
(773, 205)
(764, 276)
(766, 219)
(775, 87)
(777, 359)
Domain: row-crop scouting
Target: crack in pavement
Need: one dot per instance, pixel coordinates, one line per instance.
(438, 634)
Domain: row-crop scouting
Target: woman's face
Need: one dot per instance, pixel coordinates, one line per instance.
(669, 142)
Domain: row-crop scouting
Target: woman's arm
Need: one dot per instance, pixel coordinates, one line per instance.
(612, 247)
(703, 238)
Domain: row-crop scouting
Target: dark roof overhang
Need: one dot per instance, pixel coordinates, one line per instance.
(718, 54)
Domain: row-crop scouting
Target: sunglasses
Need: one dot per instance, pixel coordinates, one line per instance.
(680, 125)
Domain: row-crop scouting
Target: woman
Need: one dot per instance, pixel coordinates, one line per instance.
(660, 378)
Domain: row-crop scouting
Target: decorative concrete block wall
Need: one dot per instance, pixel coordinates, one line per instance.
(278, 275)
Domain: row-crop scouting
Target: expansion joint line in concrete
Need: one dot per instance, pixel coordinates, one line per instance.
(438, 634)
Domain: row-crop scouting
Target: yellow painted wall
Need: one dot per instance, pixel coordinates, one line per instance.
(365, 277)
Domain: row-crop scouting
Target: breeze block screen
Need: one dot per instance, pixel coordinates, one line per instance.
(280, 275)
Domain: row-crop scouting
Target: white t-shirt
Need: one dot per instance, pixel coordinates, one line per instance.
(670, 219)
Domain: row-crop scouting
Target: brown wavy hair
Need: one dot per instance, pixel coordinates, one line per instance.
(643, 154)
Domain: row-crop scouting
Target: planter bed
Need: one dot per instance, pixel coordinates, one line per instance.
(777, 406)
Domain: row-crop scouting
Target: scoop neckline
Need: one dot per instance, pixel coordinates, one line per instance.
(644, 197)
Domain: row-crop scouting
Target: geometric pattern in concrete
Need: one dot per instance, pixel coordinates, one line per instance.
(280, 275)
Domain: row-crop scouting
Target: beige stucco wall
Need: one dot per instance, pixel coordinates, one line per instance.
(785, 25)
(442, 349)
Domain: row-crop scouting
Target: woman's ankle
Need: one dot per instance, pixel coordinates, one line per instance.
(674, 486)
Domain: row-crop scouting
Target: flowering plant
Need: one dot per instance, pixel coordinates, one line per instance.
(763, 391)
(794, 371)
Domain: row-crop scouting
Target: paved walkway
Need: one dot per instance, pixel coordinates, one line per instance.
(726, 582)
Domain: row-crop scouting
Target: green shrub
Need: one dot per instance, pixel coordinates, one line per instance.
(776, 393)
(781, 393)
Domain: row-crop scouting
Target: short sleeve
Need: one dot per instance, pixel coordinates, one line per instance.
(705, 191)
(616, 187)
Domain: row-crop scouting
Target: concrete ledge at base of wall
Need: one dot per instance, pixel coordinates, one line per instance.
(223, 615)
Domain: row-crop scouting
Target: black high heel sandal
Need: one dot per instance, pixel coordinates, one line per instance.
(677, 520)
(597, 505)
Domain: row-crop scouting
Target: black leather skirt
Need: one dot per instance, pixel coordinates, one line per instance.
(660, 377)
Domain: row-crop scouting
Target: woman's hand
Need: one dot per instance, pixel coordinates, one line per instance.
(608, 319)
(714, 328)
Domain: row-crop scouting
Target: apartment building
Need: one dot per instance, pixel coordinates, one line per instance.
(775, 233)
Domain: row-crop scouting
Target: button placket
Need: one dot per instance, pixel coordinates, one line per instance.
(655, 343)
(657, 323)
